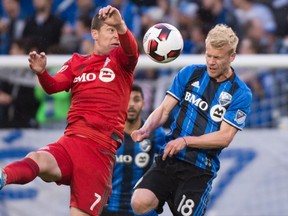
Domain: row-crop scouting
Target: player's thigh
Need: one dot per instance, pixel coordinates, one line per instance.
(48, 167)
(159, 181)
(77, 212)
(192, 194)
(92, 178)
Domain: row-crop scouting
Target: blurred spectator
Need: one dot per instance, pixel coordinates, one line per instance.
(262, 83)
(283, 45)
(82, 8)
(186, 21)
(5, 100)
(194, 41)
(280, 9)
(186, 13)
(83, 35)
(167, 8)
(144, 3)
(254, 29)
(246, 10)
(130, 13)
(150, 17)
(88, 7)
(11, 24)
(65, 10)
(281, 76)
(44, 28)
(212, 12)
(17, 84)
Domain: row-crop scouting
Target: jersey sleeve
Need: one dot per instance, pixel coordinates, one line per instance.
(129, 53)
(61, 81)
(239, 108)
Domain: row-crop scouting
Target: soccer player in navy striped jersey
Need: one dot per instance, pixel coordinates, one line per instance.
(214, 103)
(133, 158)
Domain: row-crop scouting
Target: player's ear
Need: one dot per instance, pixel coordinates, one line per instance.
(232, 56)
(94, 34)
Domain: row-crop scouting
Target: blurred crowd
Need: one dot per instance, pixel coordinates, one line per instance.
(63, 27)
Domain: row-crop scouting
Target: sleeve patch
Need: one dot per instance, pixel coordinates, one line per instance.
(240, 117)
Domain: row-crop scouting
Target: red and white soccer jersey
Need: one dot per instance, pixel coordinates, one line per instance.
(100, 88)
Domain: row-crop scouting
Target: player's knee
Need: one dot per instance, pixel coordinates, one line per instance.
(138, 205)
(34, 155)
(47, 164)
(142, 202)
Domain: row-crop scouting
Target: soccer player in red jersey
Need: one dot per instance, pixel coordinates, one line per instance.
(100, 86)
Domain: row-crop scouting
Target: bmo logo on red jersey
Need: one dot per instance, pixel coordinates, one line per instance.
(85, 77)
(106, 75)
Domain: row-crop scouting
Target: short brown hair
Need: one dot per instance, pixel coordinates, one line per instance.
(97, 22)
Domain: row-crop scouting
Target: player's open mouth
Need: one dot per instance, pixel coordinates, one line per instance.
(115, 44)
(212, 69)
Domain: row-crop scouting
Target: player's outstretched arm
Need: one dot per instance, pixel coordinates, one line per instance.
(156, 119)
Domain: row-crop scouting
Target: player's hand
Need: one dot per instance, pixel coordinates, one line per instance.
(111, 16)
(173, 147)
(37, 62)
(139, 135)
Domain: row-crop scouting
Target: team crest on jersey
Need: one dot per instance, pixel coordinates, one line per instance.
(142, 159)
(106, 75)
(145, 145)
(217, 112)
(224, 99)
(240, 117)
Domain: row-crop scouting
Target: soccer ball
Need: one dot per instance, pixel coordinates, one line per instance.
(163, 43)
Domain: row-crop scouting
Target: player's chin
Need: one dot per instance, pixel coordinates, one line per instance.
(131, 118)
(213, 73)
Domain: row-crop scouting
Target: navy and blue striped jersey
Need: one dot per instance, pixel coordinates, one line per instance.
(204, 104)
(133, 160)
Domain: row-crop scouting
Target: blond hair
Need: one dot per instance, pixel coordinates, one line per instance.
(222, 35)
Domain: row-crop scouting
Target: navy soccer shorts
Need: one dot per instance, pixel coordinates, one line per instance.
(185, 187)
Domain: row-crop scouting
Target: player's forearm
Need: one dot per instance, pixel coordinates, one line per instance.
(156, 119)
(121, 28)
(52, 84)
(219, 139)
(128, 43)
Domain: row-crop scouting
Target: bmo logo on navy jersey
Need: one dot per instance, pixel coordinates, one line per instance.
(216, 112)
(203, 105)
(141, 160)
